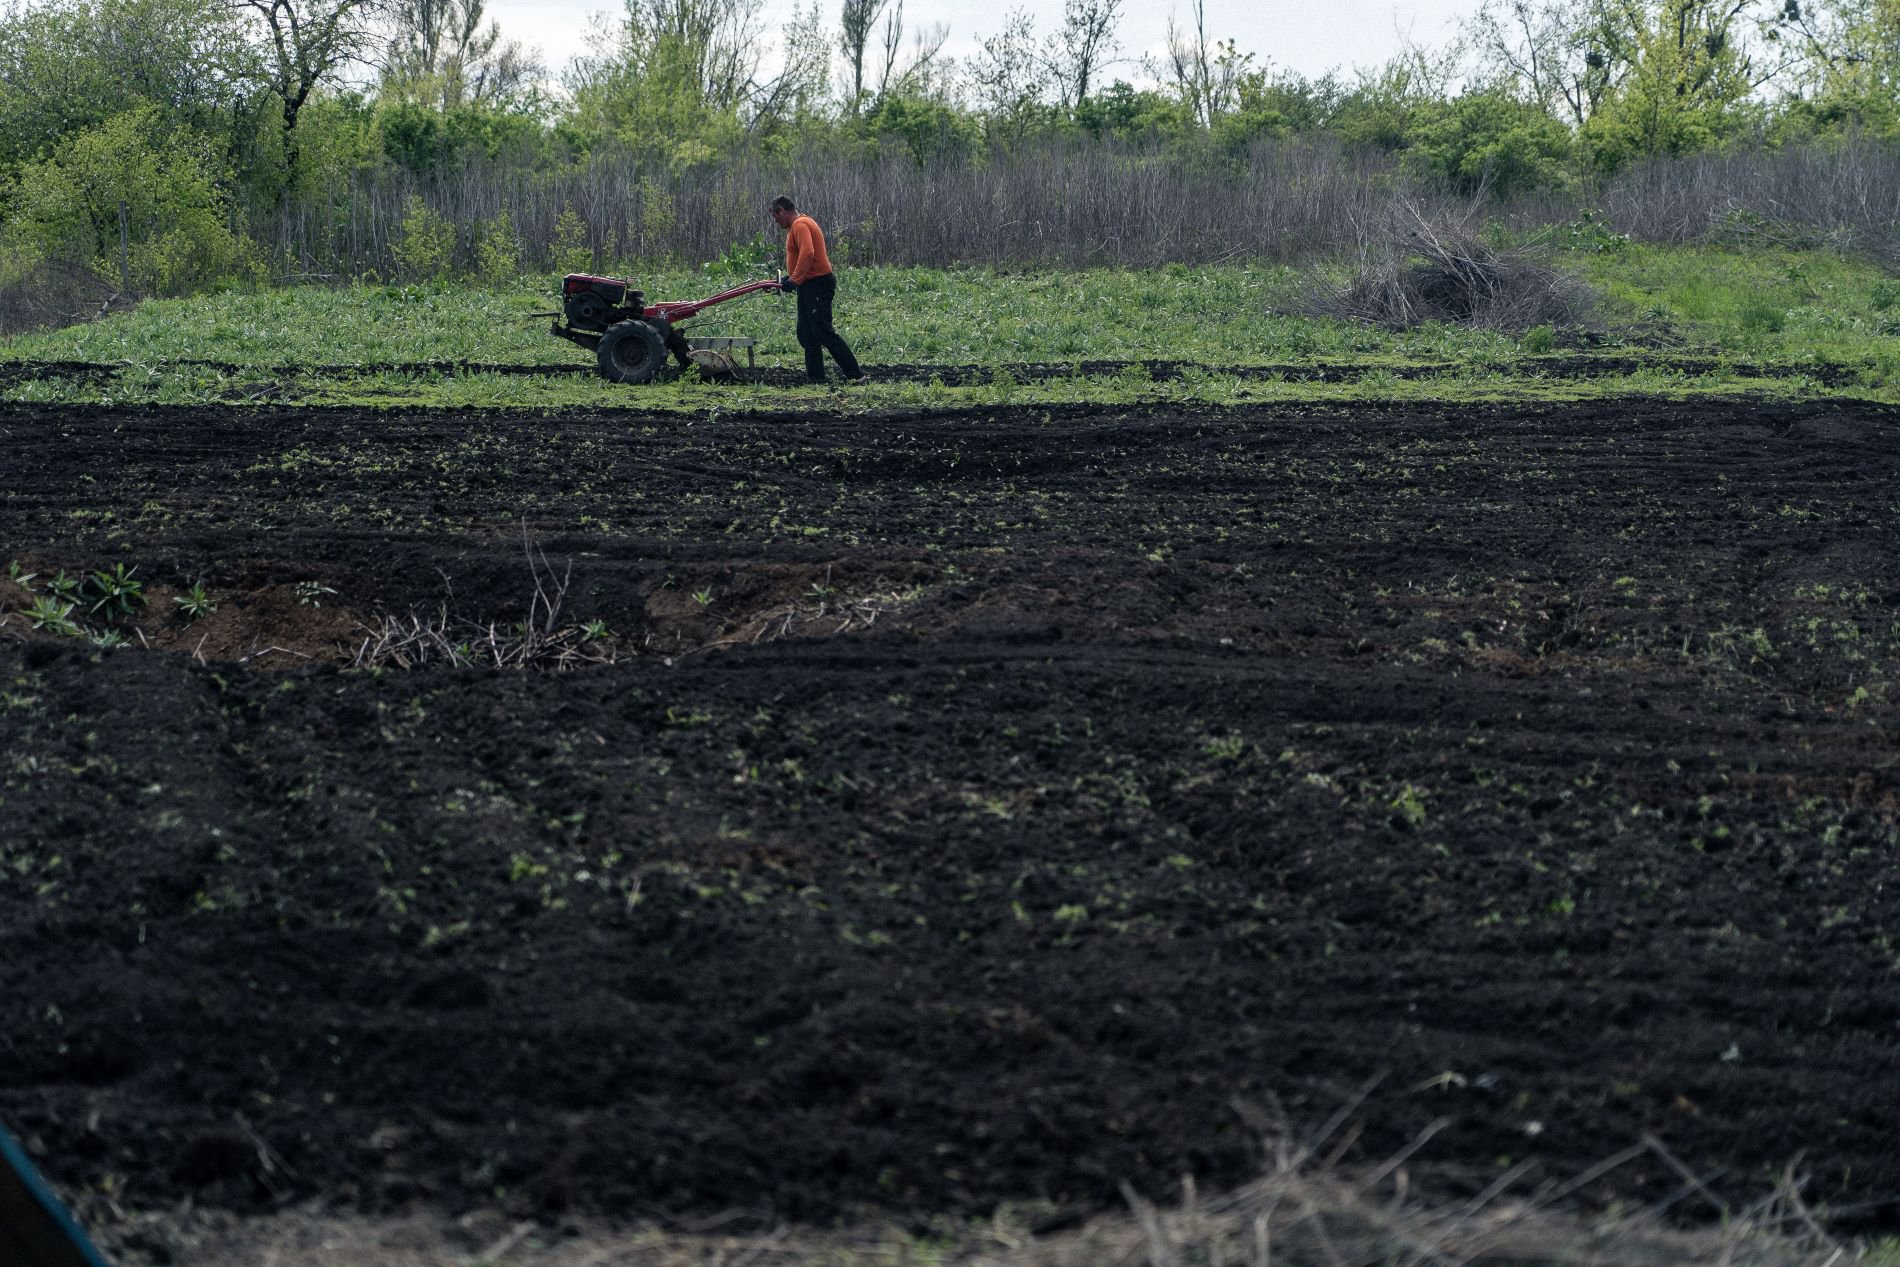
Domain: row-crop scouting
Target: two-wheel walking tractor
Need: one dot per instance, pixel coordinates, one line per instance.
(631, 338)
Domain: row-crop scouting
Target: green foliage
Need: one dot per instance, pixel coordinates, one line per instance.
(1280, 105)
(658, 215)
(53, 615)
(1379, 112)
(424, 140)
(66, 207)
(337, 142)
(425, 242)
(926, 128)
(1133, 114)
(498, 251)
(69, 66)
(658, 90)
(1852, 49)
(746, 259)
(1588, 233)
(114, 592)
(1688, 87)
(195, 603)
(569, 252)
(1490, 140)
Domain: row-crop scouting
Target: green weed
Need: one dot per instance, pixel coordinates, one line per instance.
(115, 592)
(52, 615)
(194, 603)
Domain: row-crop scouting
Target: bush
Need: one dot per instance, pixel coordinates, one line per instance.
(498, 253)
(1122, 110)
(66, 208)
(1490, 141)
(925, 128)
(425, 243)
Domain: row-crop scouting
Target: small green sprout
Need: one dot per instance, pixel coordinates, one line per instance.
(703, 597)
(310, 593)
(195, 603)
(1225, 747)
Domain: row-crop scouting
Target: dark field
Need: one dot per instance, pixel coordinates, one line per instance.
(977, 807)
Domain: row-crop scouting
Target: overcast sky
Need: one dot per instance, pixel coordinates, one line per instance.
(1306, 37)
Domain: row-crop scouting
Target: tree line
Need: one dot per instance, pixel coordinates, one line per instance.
(189, 142)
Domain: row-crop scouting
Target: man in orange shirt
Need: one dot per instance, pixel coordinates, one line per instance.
(811, 279)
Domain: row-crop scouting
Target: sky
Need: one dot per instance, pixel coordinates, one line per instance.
(1310, 38)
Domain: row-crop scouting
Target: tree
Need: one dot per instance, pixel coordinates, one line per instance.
(69, 65)
(306, 41)
(684, 75)
(162, 179)
(1206, 73)
(440, 53)
(1569, 55)
(1691, 72)
(1006, 76)
(1637, 77)
(856, 21)
(913, 74)
(800, 88)
(1849, 68)
(1081, 48)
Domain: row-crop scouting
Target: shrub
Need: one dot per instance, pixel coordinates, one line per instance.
(66, 208)
(498, 253)
(569, 252)
(425, 242)
(1491, 141)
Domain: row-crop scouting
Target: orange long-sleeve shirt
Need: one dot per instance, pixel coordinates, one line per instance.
(805, 256)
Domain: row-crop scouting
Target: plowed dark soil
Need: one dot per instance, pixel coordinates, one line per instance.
(977, 807)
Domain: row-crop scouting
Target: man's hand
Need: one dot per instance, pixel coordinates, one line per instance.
(787, 285)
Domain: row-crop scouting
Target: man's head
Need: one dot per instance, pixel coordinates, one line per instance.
(784, 211)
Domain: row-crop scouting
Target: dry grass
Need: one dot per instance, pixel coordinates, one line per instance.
(1419, 265)
(1306, 1211)
(542, 641)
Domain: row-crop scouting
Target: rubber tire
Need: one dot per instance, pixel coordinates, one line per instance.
(630, 352)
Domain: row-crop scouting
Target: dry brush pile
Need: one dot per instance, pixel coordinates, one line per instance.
(1418, 264)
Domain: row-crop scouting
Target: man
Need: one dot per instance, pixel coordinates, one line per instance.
(811, 279)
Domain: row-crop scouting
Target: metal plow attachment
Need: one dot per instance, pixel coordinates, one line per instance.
(35, 1230)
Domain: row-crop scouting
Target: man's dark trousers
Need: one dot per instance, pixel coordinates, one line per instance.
(815, 334)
